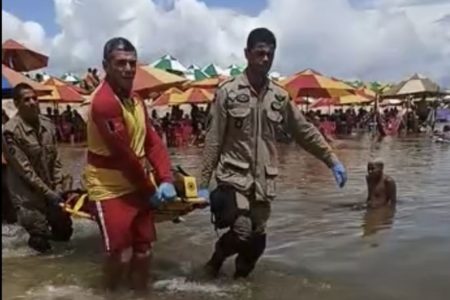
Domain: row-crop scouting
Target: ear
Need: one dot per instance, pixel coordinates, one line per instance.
(105, 64)
(247, 53)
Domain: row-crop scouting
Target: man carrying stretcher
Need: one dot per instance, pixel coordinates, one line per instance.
(121, 140)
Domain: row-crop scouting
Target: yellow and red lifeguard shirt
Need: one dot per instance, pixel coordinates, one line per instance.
(120, 139)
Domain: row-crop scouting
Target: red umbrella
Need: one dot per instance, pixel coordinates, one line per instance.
(18, 57)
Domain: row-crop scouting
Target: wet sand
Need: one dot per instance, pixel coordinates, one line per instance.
(318, 246)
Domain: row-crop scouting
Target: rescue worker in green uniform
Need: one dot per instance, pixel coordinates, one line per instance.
(35, 178)
(240, 147)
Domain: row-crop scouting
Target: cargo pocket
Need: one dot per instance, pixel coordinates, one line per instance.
(235, 172)
(274, 116)
(271, 175)
(239, 117)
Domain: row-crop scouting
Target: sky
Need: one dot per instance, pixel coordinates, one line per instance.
(385, 40)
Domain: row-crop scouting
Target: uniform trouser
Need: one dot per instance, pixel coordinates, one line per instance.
(246, 237)
(43, 225)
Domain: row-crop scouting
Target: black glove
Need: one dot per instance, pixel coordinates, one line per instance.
(54, 198)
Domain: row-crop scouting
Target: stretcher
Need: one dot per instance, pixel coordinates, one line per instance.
(78, 205)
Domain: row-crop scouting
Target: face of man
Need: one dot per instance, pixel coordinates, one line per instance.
(27, 105)
(374, 171)
(120, 68)
(260, 57)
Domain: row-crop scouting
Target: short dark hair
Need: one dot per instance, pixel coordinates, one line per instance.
(261, 35)
(117, 43)
(446, 128)
(17, 91)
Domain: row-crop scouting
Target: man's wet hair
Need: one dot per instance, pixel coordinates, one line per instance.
(261, 35)
(17, 91)
(117, 43)
(446, 128)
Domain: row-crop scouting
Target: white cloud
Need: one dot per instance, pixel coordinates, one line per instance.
(389, 42)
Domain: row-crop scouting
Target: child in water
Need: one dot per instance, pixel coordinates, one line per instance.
(382, 190)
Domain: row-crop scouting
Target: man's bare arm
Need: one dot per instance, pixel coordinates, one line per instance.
(391, 191)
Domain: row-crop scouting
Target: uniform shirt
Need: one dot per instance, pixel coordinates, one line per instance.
(34, 165)
(240, 142)
(120, 142)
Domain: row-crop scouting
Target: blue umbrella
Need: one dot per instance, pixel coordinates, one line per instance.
(6, 88)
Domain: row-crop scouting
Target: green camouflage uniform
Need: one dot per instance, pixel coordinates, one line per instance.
(240, 147)
(34, 171)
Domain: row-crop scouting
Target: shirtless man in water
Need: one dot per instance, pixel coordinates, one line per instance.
(382, 189)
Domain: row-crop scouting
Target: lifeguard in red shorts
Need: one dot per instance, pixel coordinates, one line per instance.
(121, 141)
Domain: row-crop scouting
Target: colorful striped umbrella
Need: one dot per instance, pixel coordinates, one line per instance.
(149, 79)
(190, 96)
(20, 58)
(416, 86)
(11, 78)
(169, 63)
(232, 71)
(213, 70)
(310, 83)
(61, 92)
(195, 73)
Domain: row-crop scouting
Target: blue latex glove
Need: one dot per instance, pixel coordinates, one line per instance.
(156, 199)
(167, 191)
(340, 174)
(203, 193)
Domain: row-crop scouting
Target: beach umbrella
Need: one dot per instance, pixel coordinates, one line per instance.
(209, 83)
(213, 70)
(325, 102)
(164, 98)
(18, 57)
(232, 71)
(6, 88)
(416, 86)
(61, 92)
(169, 63)
(310, 83)
(149, 79)
(11, 78)
(195, 73)
(190, 96)
(69, 77)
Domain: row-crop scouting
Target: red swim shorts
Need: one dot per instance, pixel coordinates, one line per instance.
(126, 222)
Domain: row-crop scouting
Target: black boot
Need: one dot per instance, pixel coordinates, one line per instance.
(249, 255)
(39, 243)
(226, 246)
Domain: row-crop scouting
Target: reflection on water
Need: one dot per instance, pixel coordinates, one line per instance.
(319, 246)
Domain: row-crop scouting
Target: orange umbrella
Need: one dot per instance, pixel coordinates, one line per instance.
(61, 92)
(190, 96)
(20, 58)
(149, 79)
(15, 78)
(310, 83)
(208, 83)
(164, 99)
